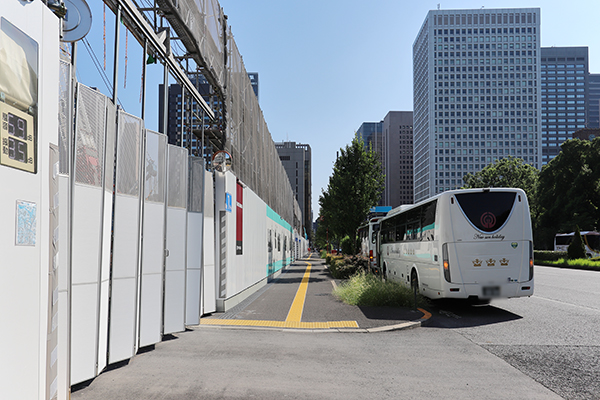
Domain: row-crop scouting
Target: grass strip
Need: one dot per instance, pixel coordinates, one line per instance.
(580, 263)
(363, 289)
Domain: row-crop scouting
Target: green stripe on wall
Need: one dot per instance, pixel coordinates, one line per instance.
(275, 217)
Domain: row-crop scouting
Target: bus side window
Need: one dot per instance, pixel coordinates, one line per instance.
(399, 233)
(428, 220)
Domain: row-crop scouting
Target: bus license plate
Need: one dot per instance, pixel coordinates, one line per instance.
(491, 291)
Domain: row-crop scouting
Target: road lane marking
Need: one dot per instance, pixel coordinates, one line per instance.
(426, 314)
(295, 313)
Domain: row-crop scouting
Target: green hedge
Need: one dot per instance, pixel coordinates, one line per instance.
(547, 255)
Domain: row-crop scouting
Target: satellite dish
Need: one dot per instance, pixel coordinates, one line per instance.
(77, 21)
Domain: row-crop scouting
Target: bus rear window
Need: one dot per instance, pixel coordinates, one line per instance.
(487, 211)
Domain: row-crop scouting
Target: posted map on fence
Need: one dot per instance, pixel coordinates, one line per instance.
(26, 221)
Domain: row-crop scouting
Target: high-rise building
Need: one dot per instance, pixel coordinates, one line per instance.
(398, 149)
(371, 134)
(476, 85)
(593, 105)
(392, 140)
(254, 81)
(296, 159)
(180, 132)
(564, 81)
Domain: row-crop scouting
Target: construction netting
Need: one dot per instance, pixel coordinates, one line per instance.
(202, 21)
(255, 159)
(201, 27)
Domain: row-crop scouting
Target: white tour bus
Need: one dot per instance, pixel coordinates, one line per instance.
(591, 240)
(367, 238)
(472, 244)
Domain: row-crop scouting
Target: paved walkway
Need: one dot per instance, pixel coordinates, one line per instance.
(301, 298)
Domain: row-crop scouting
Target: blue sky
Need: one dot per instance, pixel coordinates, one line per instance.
(327, 66)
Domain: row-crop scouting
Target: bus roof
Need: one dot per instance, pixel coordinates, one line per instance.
(405, 207)
(586, 233)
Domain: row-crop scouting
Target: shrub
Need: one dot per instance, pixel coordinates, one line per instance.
(576, 249)
(323, 254)
(347, 246)
(364, 289)
(346, 266)
(547, 255)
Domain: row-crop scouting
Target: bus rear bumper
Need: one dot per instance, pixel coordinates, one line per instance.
(487, 292)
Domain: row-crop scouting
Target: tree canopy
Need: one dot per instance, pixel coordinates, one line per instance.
(507, 172)
(354, 187)
(569, 190)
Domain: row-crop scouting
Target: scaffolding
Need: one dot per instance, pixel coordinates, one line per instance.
(199, 39)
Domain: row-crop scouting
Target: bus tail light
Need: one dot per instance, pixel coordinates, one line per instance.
(371, 255)
(530, 260)
(446, 262)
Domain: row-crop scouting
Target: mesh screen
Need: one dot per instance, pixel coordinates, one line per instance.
(111, 130)
(203, 20)
(64, 117)
(255, 158)
(154, 172)
(90, 123)
(129, 155)
(176, 196)
(196, 184)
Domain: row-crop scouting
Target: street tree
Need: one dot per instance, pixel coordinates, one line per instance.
(569, 190)
(507, 172)
(354, 187)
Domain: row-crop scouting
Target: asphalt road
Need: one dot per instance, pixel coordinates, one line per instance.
(542, 347)
(553, 337)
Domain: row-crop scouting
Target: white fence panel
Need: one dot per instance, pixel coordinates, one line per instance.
(153, 239)
(123, 312)
(194, 241)
(175, 262)
(88, 200)
(209, 283)
(105, 256)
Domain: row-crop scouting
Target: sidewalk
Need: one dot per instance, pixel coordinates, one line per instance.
(301, 298)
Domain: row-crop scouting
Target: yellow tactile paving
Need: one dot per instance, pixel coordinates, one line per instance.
(280, 324)
(295, 313)
(294, 317)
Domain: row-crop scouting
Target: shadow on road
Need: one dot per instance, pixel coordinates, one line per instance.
(462, 314)
(390, 313)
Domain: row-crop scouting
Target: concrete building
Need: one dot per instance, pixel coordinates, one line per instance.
(296, 159)
(371, 134)
(593, 105)
(564, 82)
(398, 149)
(254, 81)
(587, 134)
(179, 132)
(476, 86)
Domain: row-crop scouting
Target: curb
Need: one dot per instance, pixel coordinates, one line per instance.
(387, 328)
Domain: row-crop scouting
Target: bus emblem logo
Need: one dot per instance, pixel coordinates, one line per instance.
(514, 245)
(477, 262)
(491, 262)
(488, 220)
(504, 262)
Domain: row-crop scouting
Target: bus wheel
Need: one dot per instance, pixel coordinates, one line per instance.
(414, 280)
